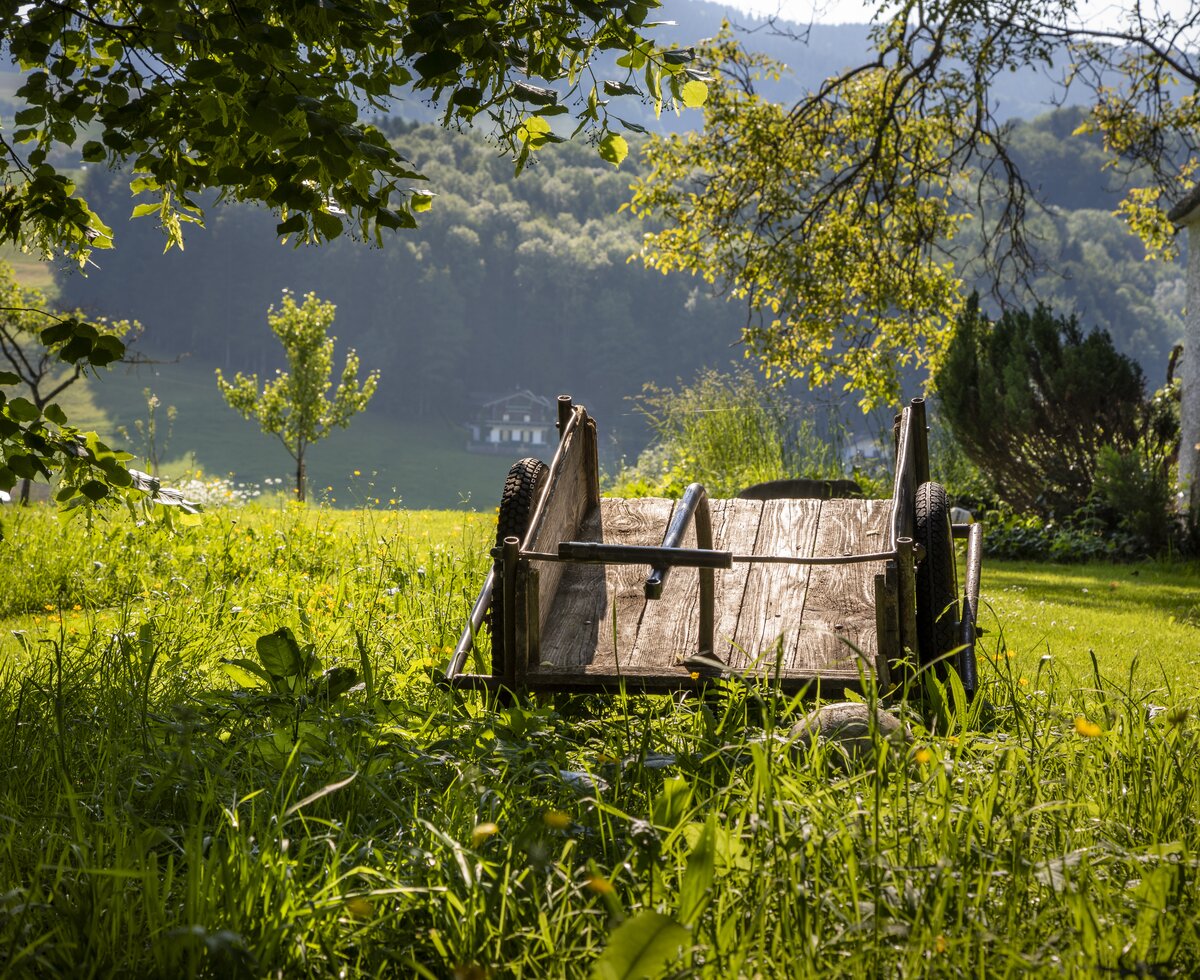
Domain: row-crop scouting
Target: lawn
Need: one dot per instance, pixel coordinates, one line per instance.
(171, 807)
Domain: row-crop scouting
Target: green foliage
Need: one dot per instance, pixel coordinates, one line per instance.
(294, 405)
(163, 821)
(43, 354)
(267, 102)
(778, 208)
(727, 431)
(1032, 399)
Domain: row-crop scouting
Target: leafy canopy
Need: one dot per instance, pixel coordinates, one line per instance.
(294, 406)
(835, 218)
(270, 102)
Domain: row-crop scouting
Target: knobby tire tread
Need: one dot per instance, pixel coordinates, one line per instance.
(937, 579)
(522, 488)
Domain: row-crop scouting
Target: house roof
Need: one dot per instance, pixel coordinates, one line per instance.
(522, 392)
(1186, 210)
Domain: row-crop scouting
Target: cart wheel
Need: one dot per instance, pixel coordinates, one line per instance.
(937, 579)
(522, 489)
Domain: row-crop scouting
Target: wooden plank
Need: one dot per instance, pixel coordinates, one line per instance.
(668, 634)
(598, 609)
(839, 610)
(565, 505)
(773, 601)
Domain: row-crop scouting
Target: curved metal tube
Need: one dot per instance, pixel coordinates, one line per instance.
(694, 504)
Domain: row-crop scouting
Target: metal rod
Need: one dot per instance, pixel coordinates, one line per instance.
(598, 553)
(694, 504)
(968, 674)
(907, 594)
(467, 640)
(904, 492)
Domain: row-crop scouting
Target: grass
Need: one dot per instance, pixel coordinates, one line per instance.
(422, 464)
(157, 818)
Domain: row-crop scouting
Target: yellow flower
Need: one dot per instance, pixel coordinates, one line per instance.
(359, 907)
(357, 473)
(556, 819)
(1086, 728)
(482, 832)
(923, 756)
(600, 885)
(1023, 681)
(939, 944)
(49, 607)
(695, 675)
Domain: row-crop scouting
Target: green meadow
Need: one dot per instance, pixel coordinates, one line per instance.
(180, 800)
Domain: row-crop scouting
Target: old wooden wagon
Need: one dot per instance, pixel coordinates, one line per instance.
(591, 594)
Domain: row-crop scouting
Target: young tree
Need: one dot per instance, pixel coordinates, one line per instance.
(294, 405)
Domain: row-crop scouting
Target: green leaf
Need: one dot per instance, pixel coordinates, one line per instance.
(295, 223)
(694, 94)
(614, 149)
(328, 225)
(94, 490)
(245, 673)
(436, 63)
(641, 947)
(55, 414)
(22, 409)
(694, 893)
(143, 209)
(422, 202)
(8, 378)
(280, 653)
(672, 803)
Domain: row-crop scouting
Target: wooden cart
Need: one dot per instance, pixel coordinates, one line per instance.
(593, 594)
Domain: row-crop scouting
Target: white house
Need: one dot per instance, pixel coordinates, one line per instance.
(515, 423)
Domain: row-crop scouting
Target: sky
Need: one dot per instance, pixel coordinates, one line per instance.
(1097, 13)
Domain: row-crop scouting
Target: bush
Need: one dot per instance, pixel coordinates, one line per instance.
(727, 431)
(1032, 400)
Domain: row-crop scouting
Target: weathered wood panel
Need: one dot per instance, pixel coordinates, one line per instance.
(773, 602)
(670, 625)
(565, 506)
(595, 600)
(839, 609)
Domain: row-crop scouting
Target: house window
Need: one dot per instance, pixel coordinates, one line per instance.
(537, 437)
(526, 418)
(505, 419)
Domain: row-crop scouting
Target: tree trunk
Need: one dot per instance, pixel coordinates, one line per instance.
(1189, 384)
(301, 477)
(25, 488)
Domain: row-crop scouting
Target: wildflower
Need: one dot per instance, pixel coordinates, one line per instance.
(482, 832)
(1023, 681)
(600, 885)
(357, 473)
(76, 607)
(556, 820)
(1086, 728)
(359, 907)
(695, 675)
(49, 607)
(923, 756)
(939, 944)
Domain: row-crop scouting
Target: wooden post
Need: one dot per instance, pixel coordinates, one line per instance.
(906, 594)
(508, 655)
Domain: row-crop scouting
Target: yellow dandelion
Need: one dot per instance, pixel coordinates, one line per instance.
(1086, 728)
(359, 907)
(939, 944)
(556, 820)
(695, 675)
(600, 885)
(923, 756)
(1023, 681)
(482, 832)
(76, 607)
(357, 473)
(49, 607)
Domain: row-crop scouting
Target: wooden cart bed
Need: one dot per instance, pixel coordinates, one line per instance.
(659, 595)
(794, 622)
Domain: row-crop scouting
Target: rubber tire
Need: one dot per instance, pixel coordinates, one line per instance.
(522, 489)
(937, 580)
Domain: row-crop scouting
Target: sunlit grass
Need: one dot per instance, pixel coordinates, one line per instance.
(158, 820)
